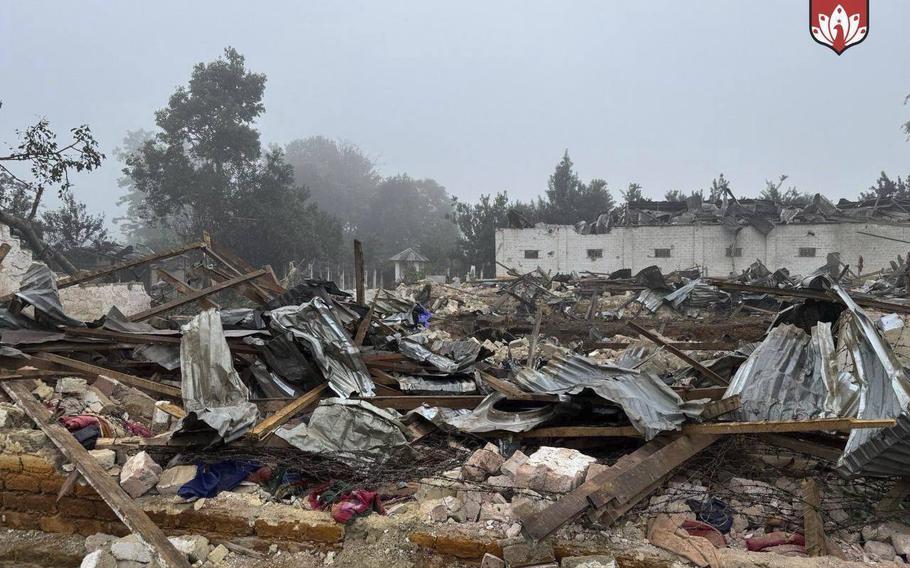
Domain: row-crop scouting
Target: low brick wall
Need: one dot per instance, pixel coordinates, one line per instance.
(29, 484)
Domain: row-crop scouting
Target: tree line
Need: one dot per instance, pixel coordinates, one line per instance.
(205, 168)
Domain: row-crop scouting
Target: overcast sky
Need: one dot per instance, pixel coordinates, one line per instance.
(485, 96)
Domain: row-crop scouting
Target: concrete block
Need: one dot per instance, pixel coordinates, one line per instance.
(518, 552)
(879, 549)
(11, 416)
(901, 543)
(195, 547)
(511, 465)
(491, 561)
(43, 391)
(595, 561)
(218, 554)
(553, 470)
(105, 458)
(139, 474)
(98, 559)
(131, 548)
(71, 386)
(173, 478)
(98, 541)
(482, 463)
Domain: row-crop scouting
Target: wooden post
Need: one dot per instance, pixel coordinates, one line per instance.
(813, 526)
(358, 272)
(535, 333)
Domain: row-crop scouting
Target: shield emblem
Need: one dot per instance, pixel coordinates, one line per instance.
(839, 24)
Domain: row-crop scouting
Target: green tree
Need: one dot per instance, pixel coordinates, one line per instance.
(477, 224)
(340, 177)
(408, 212)
(569, 200)
(886, 188)
(633, 194)
(718, 189)
(789, 197)
(675, 195)
(206, 163)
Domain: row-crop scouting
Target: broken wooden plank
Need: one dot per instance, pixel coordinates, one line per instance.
(535, 336)
(512, 392)
(4, 250)
(267, 426)
(249, 289)
(107, 488)
(572, 504)
(864, 301)
(185, 288)
(714, 393)
(359, 287)
(365, 324)
(411, 402)
(702, 370)
(196, 295)
(236, 345)
(80, 278)
(630, 483)
(813, 526)
(895, 496)
(822, 451)
(720, 407)
(714, 428)
(131, 380)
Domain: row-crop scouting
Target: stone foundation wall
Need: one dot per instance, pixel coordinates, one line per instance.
(91, 301)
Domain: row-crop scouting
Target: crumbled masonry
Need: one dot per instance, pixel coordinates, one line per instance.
(537, 419)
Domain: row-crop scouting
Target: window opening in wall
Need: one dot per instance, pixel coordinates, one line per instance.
(807, 252)
(661, 253)
(734, 251)
(532, 254)
(594, 254)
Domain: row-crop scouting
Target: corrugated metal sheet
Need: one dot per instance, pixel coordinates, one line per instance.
(338, 358)
(39, 289)
(650, 405)
(886, 394)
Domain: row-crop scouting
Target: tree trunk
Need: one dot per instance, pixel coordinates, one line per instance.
(41, 249)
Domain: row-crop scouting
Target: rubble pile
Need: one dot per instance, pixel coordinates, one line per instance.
(697, 418)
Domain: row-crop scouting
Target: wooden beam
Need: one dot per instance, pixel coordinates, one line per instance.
(535, 336)
(4, 250)
(260, 295)
(131, 380)
(714, 428)
(365, 324)
(512, 392)
(702, 370)
(822, 451)
(359, 286)
(196, 295)
(107, 488)
(80, 278)
(813, 526)
(273, 422)
(414, 401)
(141, 338)
(714, 393)
(185, 288)
(720, 407)
(823, 295)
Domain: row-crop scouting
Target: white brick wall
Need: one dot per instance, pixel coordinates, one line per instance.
(561, 249)
(87, 302)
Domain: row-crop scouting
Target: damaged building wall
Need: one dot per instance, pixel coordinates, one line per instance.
(801, 248)
(86, 302)
(89, 302)
(16, 263)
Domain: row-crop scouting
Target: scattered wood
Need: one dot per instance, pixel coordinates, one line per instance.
(120, 503)
(87, 276)
(131, 380)
(167, 306)
(185, 288)
(813, 526)
(815, 449)
(702, 370)
(236, 345)
(273, 422)
(535, 335)
(714, 428)
(895, 496)
(823, 295)
(512, 392)
(360, 289)
(365, 324)
(68, 484)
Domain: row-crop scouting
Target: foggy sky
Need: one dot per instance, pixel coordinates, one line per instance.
(485, 96)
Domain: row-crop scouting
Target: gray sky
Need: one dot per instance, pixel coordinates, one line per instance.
(484, 96)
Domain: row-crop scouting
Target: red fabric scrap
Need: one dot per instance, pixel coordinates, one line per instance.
(261, 475)
(358, 502)
(78, 422)
(775, 538)
(137, 429)
(706, 531)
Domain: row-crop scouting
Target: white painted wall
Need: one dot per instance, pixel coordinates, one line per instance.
(561, 249)
(86, 302)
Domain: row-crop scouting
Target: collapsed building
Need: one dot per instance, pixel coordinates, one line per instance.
(719, 239)
(647, 417)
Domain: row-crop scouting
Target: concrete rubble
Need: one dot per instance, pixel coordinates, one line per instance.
(533, 420)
